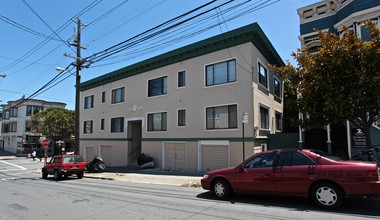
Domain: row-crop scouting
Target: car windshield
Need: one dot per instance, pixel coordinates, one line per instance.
(74, 158)
(324, 154)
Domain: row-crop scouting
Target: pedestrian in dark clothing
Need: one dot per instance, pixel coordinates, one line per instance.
(40, 155)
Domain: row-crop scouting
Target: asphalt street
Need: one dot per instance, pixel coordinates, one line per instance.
(25, 195)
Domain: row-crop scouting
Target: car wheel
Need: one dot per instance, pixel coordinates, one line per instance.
(44, 174)
(327, 196)
(57, 176)
(100, 166)
(80, 175)
(221, 189)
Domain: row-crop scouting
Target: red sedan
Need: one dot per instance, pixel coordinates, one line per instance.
(305, 173)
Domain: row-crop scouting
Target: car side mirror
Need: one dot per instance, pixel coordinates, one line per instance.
(241, 168)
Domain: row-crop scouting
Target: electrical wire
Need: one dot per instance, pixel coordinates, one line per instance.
(251, 8)
(43, 21)
(129, 17)
(106, 14)
(29, 30)
(29, 53)
(167, 31)
(45, 41)
(152, 36)
(121, 46)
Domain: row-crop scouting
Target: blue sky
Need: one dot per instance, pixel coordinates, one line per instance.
(29, 59)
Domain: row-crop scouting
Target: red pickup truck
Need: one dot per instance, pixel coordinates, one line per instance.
(64, 165)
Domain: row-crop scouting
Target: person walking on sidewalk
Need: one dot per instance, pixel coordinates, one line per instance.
(34, 155)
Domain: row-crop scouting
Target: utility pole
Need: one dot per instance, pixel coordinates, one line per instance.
(78, 64)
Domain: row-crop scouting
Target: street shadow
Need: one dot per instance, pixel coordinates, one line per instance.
(68, 178)
(362, 206)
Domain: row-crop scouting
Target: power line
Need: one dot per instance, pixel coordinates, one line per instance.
(22, 27)
(45, 41)
(107, 13)
(122, 46)
(55, 33)
(129, 17)
(119, 47)
(192, 26)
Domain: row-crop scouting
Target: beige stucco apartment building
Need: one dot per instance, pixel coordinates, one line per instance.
(185, 108)
(17, 135)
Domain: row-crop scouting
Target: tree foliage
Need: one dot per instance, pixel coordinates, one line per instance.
(54, 122)
(340, 82)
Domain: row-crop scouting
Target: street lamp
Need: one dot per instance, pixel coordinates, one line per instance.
(3, 75)
(59, 68)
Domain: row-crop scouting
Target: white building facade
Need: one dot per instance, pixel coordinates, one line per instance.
(16, 131)
(185, 108)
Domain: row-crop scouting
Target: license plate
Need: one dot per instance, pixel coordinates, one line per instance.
(74, 167)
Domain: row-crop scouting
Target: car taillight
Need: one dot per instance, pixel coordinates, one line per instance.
(374, 175)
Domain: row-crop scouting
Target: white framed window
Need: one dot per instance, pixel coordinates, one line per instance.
(181, 118)
(13, 127)
(117, 125)
(157, 121)
(89, 102)
(221, 73)
(87, 127)
(278, 117)
(14, 112)
(102, 121)
(103, 100)
(158, 86)
(264, 117)
(277, 87)
(221, 117)
(117, 95)
(181, 76)
(28, 126)
(263, 75)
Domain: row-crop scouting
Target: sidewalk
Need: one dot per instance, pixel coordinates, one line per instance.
(133, 174)
(152, 176)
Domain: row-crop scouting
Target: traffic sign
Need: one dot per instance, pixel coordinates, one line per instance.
(245, 118)
(45, 143)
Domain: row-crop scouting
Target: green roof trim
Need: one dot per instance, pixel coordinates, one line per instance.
(231, 139)
(250, 33)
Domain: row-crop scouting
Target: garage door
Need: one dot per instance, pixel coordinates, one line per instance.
(90, 153)
(106, 154)
(175, 156)
(214, 157)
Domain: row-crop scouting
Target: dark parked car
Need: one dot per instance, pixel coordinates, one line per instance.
(292, 172)
(372, 154)
(64, 165)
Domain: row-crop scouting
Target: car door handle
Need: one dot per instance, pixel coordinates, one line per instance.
(267, 174)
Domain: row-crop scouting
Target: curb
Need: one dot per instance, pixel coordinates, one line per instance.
(97, 177)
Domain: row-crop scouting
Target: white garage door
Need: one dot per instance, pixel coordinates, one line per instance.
(106, 154)
(214, 157)
(90, 153)
(175, 156)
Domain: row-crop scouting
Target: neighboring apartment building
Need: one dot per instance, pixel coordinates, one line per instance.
(185, 108)
(16, 133)
(332, 15)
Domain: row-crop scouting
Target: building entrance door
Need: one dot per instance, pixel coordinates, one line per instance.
(134, 140)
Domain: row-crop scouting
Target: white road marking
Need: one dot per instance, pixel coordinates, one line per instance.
(15, 165)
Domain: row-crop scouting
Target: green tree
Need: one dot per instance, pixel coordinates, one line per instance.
(54, 123)
(340, 82)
